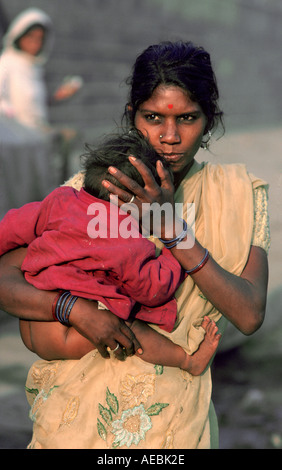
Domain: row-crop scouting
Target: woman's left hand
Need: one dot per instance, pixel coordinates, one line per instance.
(151, 192)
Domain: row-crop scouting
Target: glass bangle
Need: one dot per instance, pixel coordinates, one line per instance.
(177, 239)
(62, 307)
(200, 265)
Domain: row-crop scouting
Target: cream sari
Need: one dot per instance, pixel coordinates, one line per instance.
(93, 403)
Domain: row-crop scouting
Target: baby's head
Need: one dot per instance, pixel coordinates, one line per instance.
(114, 151)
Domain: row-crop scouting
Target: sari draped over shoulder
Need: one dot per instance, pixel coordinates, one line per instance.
(96, 403)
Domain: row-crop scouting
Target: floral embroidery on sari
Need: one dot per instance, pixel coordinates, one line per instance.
(71, 411)
(45, 375)
(126, 423)
(137, 389)
(159, 369)
(40, 398)
(43, 379)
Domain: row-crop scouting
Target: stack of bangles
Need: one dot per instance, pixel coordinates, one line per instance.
(175, 241)
(62, 307)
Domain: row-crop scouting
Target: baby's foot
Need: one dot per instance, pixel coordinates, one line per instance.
(200, 360)
(212, 336)
(205, 322)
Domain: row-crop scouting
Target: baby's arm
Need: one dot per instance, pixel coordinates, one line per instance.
(52, 340)
(14, 229)
(158, 349)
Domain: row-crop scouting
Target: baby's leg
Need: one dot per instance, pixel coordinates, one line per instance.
(157, 349)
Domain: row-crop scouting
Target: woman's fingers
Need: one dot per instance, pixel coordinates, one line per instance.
(128, 343)
(165, 176)
(123, 196)
(103, 328)
(144, 171)
(124, 344)
(133, 343)
(148, 178)
(151, 192)
(132, 186)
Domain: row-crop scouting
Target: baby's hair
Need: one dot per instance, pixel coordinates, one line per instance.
(114, 151)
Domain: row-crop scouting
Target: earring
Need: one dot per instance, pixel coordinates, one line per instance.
(205, 144)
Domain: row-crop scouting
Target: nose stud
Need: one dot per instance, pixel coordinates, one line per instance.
(161, 136)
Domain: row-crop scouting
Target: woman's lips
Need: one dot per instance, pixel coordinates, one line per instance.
(173, 157)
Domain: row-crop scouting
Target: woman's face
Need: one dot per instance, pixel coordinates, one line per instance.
(174, 125)
(32, 42)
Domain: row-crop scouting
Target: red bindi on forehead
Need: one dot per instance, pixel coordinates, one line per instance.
(170, 106)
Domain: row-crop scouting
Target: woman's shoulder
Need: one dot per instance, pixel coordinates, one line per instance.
(234, 169)
(213, 169)
(233, 172)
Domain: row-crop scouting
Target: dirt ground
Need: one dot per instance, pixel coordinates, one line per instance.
(247, 387)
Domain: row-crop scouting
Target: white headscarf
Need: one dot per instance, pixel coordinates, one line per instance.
(25, 20)
(23, 93)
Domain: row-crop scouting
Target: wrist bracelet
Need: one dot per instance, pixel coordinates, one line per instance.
(200, 265)
(177, 239)
(54, 305)
(62, 307)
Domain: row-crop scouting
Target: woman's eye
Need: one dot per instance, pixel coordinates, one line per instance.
(187, 117)
(152, 117)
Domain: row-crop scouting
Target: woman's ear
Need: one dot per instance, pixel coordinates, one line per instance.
(129, 114)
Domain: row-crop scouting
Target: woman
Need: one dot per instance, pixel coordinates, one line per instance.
(133, 404)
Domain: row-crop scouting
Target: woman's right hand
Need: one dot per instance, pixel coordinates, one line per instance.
(103, 329)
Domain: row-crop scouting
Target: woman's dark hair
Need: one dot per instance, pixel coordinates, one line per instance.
(114, 151)
(180, 64)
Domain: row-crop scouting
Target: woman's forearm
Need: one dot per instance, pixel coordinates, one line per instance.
(17, 296)
(241, 299)
(22, 300)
